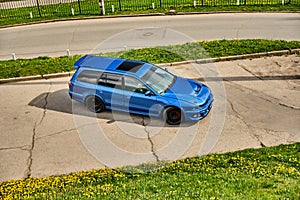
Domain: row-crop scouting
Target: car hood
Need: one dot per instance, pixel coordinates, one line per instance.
(189, 91)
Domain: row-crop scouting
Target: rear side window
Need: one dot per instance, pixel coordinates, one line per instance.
(110, 80)
(89, 76)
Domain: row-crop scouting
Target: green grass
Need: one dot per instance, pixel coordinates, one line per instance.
(89, 8)
(166, 54)
(36, 66)
(267, 173)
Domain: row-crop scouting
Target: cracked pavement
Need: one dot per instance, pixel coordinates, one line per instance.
(44, 133)
(36, 124)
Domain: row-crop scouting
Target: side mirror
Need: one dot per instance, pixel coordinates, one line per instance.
(148, 93)
(166, 69)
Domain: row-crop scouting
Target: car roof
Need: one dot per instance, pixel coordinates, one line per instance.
(109, 64)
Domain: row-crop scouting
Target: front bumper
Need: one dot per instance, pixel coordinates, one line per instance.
(197, 114)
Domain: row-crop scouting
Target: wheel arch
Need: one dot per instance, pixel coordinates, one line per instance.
(172, 106)
(86, 103)
(93, 95)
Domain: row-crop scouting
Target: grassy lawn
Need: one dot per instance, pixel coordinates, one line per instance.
(173, 53)
(88, 8)
(267, 173)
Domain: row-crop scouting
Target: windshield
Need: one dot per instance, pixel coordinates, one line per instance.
(158, 79)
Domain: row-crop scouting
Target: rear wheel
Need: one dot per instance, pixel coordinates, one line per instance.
(173, 116)
(94, 104)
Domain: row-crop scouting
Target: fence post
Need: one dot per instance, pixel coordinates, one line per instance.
(120, 6)
(101, 5)
(38, 6)
(79, 6)
(13, 56)
(68, 52)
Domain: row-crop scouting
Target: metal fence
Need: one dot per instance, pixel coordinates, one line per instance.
(66, 8)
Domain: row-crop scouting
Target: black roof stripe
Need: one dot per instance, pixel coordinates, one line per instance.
(130, 65)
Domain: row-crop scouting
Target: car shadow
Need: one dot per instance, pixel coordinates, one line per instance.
(60, 101)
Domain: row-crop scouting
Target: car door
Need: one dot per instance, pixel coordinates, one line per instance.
(110, 90)
(135, 99)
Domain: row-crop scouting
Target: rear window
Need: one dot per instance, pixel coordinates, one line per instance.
(89, 76)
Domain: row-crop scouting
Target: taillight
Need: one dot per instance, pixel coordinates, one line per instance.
(69, 84)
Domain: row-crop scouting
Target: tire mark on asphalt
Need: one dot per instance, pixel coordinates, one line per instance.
(34, 130)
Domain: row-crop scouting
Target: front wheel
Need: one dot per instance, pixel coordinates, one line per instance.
(94, 104)
(172, 116)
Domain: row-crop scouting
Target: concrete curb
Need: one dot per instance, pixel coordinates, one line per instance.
(37, 77)
(58, 75)
(199, 61)
(236, 57)
(230, 12)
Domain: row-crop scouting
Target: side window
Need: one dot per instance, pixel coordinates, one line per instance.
(102, 80)
(134, 85)
(88, 76)
(110, 80)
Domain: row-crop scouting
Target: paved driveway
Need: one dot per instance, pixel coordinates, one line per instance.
(44, 133)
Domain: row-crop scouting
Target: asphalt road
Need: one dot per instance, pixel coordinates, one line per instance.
(43, 132)
(81, 37)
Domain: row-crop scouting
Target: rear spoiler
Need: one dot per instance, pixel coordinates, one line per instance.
(81, 60)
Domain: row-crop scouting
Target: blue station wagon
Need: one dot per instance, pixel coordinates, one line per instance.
(138, 87)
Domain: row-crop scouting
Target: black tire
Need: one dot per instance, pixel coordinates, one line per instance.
(94, 104)
(173, 116)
